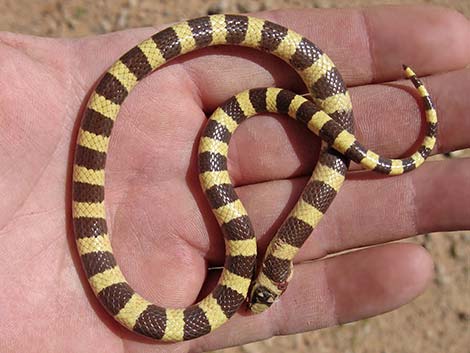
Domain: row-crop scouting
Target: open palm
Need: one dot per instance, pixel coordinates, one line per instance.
(163, 232)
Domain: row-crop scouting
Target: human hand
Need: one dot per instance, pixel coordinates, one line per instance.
(164, 234)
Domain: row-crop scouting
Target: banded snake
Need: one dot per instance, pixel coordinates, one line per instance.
(329, 116)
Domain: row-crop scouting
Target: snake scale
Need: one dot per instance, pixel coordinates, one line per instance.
(329, 116)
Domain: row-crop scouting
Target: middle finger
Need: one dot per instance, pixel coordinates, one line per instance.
(389, 121)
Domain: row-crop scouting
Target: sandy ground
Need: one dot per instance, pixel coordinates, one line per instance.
(436, 322)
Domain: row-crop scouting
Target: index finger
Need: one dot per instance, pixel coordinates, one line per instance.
(370, 44)
(367, 45)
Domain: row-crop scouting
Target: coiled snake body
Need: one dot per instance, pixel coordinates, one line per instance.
(329, 116)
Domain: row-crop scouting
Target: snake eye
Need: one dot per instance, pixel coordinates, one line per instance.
(261, 299)
(261, 295)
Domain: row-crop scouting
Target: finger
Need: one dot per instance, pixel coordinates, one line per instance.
(367, 45)
(433, 198)
(336, 290)
(388, 120)
(377, 38)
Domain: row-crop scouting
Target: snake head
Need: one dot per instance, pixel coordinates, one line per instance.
(261, 298)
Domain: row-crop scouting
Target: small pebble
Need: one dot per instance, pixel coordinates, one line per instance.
(123, 18)
(323, 4)
(441, 275)
(105, 25)
(220, 7)
(248, 6)
(465, 236)
(133, 3)
(463, 316)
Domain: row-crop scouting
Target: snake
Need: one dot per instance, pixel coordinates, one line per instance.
(328, 114)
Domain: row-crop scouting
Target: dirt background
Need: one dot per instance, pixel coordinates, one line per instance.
(436, 322)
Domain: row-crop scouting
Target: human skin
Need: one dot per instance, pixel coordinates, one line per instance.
(163, 232)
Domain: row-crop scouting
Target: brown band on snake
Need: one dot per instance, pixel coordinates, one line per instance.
(115, 297)
(330, 131)
(305, 55)
(258, 99)
(233, 109)
(424, 151)
(137, 63)
(305, 113)
(88, 193)
(432, 130)
(238, 229)
(111, 88)
(90, 159)
(195, 323)
(384, 165)
(283, 101)
(276, 269)
(341, 116)
(97, 262)
(334, 161)
(97, 123)
(272, 35)
(319, 195)
(220, 195)
(408, 164)
(293, 231)
(241, 265)
(92, 227)
(323, 87)
(228, 299)
(152, 322)
(218, 131)
(236, 26)
(201, 29)
(357, 151)
(212, 162)
(168, 43)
